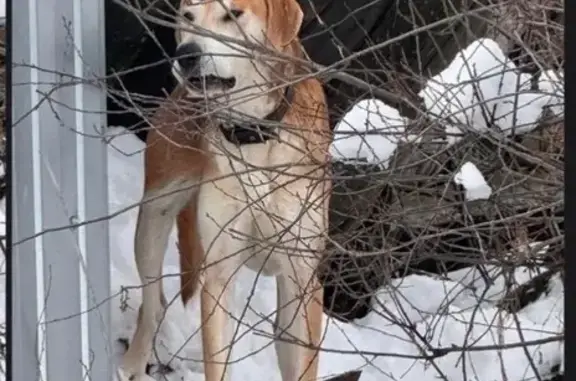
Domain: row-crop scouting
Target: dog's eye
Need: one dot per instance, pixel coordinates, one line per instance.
(232, 14)
(188, 16)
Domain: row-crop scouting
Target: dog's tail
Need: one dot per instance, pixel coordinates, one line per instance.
(190, 250)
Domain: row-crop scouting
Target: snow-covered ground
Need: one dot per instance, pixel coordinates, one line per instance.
(441, 309)
(446, 313)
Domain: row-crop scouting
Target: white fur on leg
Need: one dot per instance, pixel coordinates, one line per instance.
(296, 288)
(155, 220)
(170, 349)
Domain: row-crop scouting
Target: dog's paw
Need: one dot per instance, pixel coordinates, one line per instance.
(161, 372)
(155, 370)
(173, 355)
(167, 343)
(122, 375)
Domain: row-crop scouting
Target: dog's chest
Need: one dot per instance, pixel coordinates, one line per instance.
(247, 174)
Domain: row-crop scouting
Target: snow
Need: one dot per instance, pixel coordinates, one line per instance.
(440, 309)
(480, 88)
(458, 311)
(552, 83)
(470, 177)
(369, 132)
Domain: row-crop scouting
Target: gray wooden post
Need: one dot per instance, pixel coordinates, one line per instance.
(61, 279)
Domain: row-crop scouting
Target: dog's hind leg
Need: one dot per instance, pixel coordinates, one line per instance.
(190, 250)
(155, 220)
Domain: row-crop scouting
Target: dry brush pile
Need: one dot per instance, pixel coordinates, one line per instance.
(412, 218)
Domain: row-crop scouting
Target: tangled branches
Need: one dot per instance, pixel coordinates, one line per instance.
(447, 213)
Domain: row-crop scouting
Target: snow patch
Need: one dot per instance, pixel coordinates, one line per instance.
(482, 88)
(470, 177)
(369, 132)
(479, 90)
(439, 309)
(552, 83)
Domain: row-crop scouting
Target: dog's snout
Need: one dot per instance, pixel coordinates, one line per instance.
(188, 56)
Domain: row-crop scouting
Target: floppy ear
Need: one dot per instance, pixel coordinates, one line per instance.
(283, 22)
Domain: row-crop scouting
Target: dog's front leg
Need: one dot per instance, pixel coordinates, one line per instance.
(216, 322)
(155, 220)
(222, 257)
(299, 322)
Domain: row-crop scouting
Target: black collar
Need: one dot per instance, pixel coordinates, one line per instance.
(251, 133)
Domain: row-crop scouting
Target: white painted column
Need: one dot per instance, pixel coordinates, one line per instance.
(61, 279)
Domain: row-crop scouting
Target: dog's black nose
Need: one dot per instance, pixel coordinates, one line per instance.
(188, 56)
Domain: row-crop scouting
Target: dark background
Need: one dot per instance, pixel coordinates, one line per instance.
(352, 26)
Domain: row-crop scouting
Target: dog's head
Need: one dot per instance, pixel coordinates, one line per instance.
(212, 66)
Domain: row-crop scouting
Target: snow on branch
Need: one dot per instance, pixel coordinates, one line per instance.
(480, 89)
(370, 132)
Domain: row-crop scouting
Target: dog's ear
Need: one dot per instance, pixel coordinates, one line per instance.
(284, 22)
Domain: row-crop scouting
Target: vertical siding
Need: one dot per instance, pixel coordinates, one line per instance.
(59, 177)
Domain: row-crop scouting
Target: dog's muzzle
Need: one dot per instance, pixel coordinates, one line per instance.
(188, 56)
